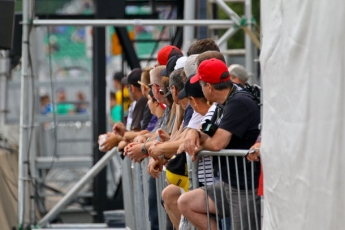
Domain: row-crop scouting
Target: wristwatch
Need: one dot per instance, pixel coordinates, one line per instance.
(143, 149)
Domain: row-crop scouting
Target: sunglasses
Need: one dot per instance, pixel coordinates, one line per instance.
(150, 85)
(161, 92)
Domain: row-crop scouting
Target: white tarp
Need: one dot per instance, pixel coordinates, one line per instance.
(303, 148)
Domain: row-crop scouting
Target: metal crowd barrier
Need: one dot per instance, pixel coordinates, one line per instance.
(242, 202)
(135, 180)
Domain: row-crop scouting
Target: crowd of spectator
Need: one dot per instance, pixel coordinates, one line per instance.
(188, 103)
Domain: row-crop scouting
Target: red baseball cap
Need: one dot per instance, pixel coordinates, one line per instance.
(166, 53)
(211, 71)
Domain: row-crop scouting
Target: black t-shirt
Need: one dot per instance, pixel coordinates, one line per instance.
(146, 118)
(138, 113)
(241, 117)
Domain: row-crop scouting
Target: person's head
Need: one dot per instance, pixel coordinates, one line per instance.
(208, 55)
(131, 80)
(44, 100)
(190, 66)
(61, 94)
(201, 46)
(155, 107)
(194, 96)
(155, 82)
(112, 99)
(80, 96)
(170, 66)
(166, 53)
(117, 80)
(176, 83)
(145, 81)
(238, 74)
(214, 79)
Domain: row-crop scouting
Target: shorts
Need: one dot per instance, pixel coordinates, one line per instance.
(236, 203)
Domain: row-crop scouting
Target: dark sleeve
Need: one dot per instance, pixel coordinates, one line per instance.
(147, 118)
(187, 115)
(138, 113)
(236, 117)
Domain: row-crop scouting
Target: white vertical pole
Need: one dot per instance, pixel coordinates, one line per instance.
(248, 43)
(24, 120)
(188, 31)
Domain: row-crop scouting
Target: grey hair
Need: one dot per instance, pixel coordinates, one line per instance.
(238, 71)
(178, 78)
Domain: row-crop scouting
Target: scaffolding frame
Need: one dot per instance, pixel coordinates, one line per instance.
(24, 189)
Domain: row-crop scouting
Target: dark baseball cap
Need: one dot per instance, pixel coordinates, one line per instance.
(134, 76)
(191, 89)
(169, 68)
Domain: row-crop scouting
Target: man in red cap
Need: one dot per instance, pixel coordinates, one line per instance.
(236, 127)
(166, 53)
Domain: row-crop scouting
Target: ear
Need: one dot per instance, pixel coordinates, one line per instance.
(209, 87)
(192, 100)
(132, 88)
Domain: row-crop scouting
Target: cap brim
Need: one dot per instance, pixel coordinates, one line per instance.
(195, 79)
(164, 73)
(142, 83)
(182, 94)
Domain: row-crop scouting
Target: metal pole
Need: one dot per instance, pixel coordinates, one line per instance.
(188, 31)
(226, 36)
(77, 187)
(24, 119)
(136, 22)
(234, 17)
(4, 73)
(248, 42)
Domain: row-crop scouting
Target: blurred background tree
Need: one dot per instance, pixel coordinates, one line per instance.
(237, 40)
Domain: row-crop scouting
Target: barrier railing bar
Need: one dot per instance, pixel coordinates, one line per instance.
(238, 192)
(253, 190)
(221, 193)
(128, 193)
(133, 22)
(246, 189)
(215, 198)
(230, 189)
(144, 164)
(77, 187)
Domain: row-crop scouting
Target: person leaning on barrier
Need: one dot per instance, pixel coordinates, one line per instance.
(176, 172)
(237, 129)
(140, 101)
(130, 135)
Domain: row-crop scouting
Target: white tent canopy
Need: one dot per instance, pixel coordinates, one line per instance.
(303, 69)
